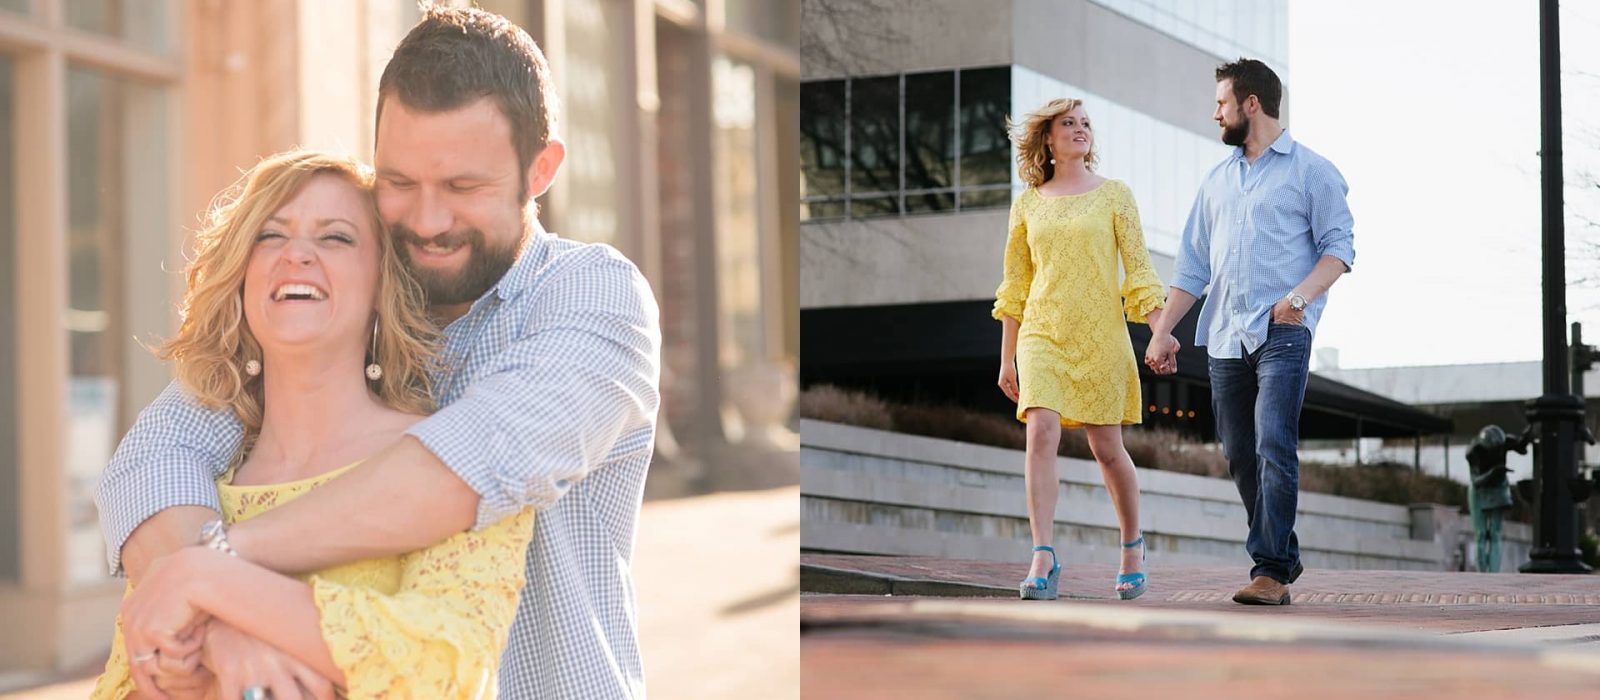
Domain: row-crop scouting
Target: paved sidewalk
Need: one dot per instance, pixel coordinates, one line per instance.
(718, 604)
(1348, 634)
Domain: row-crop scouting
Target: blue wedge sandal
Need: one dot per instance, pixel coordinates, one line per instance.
(1137, 578)
(1042, 587)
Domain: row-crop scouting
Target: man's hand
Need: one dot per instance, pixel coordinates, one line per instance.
(182, 678)
(160, 620)
(1161, 355)
(240, 661)
(1282, 312)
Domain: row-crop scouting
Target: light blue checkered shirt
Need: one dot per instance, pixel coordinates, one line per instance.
(549, 400)
(1255, 231)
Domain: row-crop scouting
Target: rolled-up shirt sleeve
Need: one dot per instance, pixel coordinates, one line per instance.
(1331, 222)
(578, 389)
(1192, 271)
(170, 457)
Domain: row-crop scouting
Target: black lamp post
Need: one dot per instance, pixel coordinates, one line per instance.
(1557, 416)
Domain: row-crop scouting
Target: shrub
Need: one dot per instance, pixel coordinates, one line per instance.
(1158, 448)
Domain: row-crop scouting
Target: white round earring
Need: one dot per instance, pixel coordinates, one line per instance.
(252, 368)
(374, 372)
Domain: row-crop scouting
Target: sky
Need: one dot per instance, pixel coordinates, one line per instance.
(1431, 112)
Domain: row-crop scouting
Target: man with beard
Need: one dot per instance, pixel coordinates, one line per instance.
(1269, 233)
(548, 390)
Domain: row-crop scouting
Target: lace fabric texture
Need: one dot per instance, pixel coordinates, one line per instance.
(427, 624)
(1061, 282)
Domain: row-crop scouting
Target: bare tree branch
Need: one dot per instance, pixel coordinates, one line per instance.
(841, 37)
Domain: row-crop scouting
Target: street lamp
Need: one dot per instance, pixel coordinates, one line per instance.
(1557, 416)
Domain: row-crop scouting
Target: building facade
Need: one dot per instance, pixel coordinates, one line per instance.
(907, 176)
(121, 119)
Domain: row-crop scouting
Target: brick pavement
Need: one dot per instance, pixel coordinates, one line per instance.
(1350, 634)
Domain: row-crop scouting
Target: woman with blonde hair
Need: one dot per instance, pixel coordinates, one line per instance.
(301, 319)
(1065, 357)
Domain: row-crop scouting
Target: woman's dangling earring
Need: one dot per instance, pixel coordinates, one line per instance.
(252, 368)
(374, 372)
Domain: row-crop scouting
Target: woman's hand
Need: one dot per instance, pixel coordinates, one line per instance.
(1161, 355)
(241, 661)
(1008, 380)
(161, 627)
(183, 678)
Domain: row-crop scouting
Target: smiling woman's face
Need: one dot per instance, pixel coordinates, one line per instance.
(1070, 135)
(312, 279)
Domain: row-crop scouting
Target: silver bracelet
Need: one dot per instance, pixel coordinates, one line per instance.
(214, 535)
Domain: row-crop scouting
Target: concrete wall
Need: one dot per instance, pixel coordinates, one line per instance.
(874, 492)
(1093, 47)
(874, 37)
(915, 259)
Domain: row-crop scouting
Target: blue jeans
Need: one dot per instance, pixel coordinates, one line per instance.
(1257, 402)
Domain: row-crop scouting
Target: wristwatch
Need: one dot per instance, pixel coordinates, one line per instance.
(214, 535)
(1296, 302)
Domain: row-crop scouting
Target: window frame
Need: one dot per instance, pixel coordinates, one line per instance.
(849, 197)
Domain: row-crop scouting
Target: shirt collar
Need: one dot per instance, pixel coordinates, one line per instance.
(534, 250)
(1283, 144)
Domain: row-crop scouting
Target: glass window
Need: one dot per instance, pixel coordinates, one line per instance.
(822, 132)
(985, 150)
(919, 202)
(930, 134)
(983, 199)
(922, 142)
(875, 135)
(143, 22)
(590, 212)
(10, 471)
(738, 248)
(116, 232)
(874, 206)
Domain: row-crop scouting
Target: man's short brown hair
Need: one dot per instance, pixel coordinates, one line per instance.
(455, 57)
(1252, 77)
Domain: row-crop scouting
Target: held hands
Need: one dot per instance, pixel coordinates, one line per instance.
(241, 661)
(162, 629)
(182, 678)
(1283, 313)
(1008, 380)
(1161, 355)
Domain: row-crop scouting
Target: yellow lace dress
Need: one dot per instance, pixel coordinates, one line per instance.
(428, 624)
(1074, 355)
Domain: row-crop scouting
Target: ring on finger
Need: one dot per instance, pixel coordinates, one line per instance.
(141, 658)
(256, 692)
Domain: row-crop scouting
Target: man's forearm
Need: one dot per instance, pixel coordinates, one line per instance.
(1178, 304)
(400, 500)
(1326, 272)
(163, 533)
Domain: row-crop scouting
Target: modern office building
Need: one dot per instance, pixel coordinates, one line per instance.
(908, 174)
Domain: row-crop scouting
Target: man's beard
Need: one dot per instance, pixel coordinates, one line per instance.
(1236, 134)
(484, 267)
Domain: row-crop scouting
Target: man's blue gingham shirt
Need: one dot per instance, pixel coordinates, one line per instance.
(548, 399)
(1255, 231)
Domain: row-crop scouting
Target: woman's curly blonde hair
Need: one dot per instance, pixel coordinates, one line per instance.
(214, 341)
(1031, 135)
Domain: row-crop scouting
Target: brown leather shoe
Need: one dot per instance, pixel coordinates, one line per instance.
(1263, 591)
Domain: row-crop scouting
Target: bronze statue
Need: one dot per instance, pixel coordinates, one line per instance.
(1490, 491)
